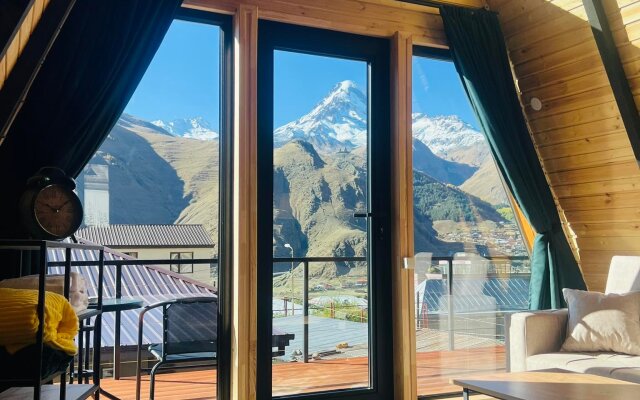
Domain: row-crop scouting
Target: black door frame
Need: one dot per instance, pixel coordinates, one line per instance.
(225, 211)
(376, 52)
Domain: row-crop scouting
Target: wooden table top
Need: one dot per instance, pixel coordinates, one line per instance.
(551, 384)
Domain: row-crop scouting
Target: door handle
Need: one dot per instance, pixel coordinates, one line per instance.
(362, 215)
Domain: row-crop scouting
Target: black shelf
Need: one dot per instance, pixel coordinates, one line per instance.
(51, 392)
(33, 384)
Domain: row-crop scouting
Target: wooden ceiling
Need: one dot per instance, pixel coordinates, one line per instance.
(579, 134)
(28, 16)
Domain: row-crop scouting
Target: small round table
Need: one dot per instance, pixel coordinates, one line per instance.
(118, 305)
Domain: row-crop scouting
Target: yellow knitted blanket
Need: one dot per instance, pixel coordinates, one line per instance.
(19, 320)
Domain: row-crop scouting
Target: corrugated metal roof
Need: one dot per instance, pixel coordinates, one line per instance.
(147, 235)
(147, 282)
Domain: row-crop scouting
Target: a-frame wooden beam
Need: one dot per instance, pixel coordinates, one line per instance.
(615, 72)
(457, 3)
(18, 83)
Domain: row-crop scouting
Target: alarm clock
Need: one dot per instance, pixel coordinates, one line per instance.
(49, 207)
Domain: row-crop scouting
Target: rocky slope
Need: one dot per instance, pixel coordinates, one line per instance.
(157, 178)
(339, 121)
(167, 172)
(486, 184)
(191, 128)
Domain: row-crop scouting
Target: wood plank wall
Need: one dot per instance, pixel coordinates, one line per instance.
(380, 18)
(404, 357)
(18, 41)
(579, 134)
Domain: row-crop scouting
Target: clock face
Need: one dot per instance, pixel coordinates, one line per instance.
(58, 210)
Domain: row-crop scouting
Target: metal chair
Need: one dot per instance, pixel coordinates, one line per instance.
(189, 335)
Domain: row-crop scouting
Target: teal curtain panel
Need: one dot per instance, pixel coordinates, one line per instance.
(478, 50)
(87, 79)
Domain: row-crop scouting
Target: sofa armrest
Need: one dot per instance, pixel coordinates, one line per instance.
(531, 333)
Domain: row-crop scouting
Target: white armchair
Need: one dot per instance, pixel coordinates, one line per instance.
(534, 338)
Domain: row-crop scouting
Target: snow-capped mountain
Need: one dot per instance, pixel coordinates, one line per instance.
(340, 121)
(192, 128)
(336, 122)
(445, 134)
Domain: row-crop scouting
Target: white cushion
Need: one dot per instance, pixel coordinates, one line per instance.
(624, 275)
(612, 365)
(600, 322)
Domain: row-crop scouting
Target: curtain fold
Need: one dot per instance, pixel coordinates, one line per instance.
(480, 57)
(86, 81)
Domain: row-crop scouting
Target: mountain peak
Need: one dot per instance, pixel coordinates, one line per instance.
(444, 134)
(345, 86)
(191, 128)
(346, 91)
(338, 121)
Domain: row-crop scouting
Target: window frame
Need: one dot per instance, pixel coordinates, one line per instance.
(376, 51)
(521, 223)
(225, 214)
(526, 230)
(181, 254)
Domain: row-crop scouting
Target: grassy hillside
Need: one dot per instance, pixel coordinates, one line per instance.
(158, 178)
(486, 184)
(437, 202)
(443, 170)
(315, 199)
(446, 202)
(145, 188)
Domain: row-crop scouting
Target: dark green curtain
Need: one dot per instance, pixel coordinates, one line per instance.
(88, 77)
(480, 56)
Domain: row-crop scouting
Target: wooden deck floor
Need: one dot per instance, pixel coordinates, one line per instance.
(434, 371)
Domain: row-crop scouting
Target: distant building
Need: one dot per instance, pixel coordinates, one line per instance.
(96, 195)
(160, 242)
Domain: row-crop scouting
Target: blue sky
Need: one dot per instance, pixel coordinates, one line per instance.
(302, 80)
(437, 90)
(182, 81)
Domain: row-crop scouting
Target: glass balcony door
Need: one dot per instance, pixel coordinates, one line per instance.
(159, 190)
(472, 264)
(324, 287)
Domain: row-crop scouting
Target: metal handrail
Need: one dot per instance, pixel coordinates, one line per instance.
(305, 302)
(118, 283)
(136, 261)
(305, 290)
(450, 305)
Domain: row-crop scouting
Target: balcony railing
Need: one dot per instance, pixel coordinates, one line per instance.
(446, 264)
(501, 266)
(119, 264)
(305, 288)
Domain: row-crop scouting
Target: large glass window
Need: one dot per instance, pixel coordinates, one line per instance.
(320, 245)
(152, 194)
(323, 166)
(472, 264)
(154, 182)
